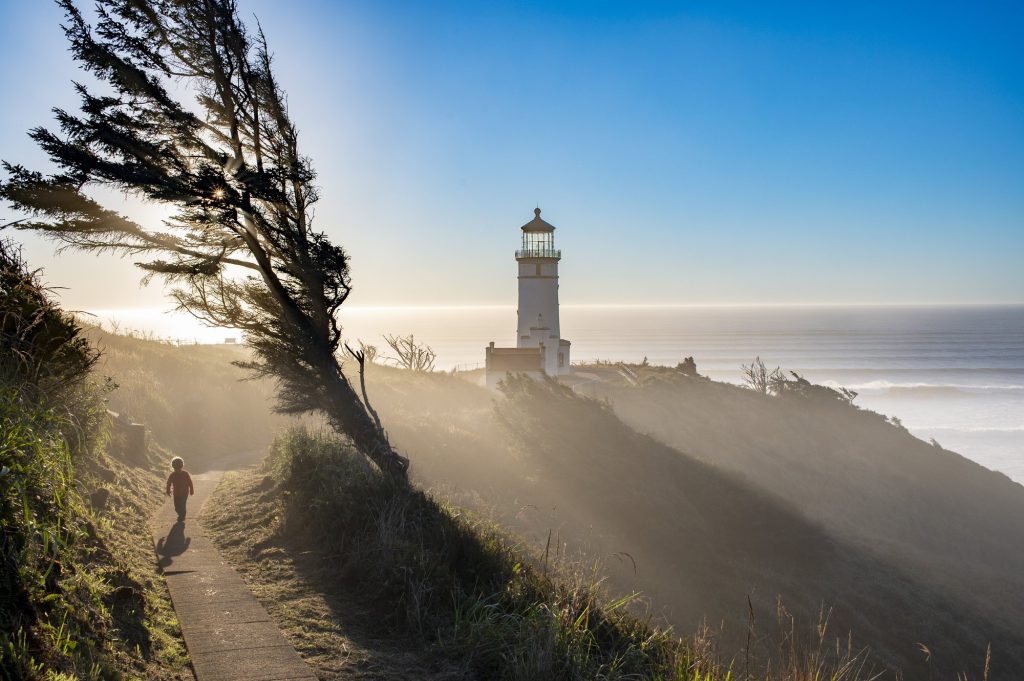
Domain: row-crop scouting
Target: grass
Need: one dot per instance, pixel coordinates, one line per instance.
(79, 598)
(455, 593)
(338, 634)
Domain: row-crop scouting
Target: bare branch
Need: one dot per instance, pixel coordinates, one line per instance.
(410, 354)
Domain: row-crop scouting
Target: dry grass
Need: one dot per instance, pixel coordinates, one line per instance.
(144, 631)
(340, 636)
(86, 602)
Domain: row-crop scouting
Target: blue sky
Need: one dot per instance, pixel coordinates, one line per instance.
(687, 152)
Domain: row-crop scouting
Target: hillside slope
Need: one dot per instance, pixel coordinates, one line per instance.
(191, 397)
(376, 581)
(79, 597)
(949, 521)
(703, 539)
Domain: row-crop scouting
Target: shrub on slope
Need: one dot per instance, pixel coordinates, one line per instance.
(702, 537)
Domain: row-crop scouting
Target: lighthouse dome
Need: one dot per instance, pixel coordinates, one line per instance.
(537, 224)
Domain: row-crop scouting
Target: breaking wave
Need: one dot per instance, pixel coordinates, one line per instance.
(894, 386)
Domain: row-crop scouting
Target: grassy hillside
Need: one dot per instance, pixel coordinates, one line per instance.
(950, 522)
(761, 501)
(374, 581)
(702, 537)
(79, 598)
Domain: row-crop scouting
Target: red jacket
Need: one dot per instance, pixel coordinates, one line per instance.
(181, 481)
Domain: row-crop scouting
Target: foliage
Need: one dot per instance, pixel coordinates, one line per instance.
(457, 582)
(758, 378)
(44, 350)
(240, 244)
(801, 388)
(687, 367)
(370, 352)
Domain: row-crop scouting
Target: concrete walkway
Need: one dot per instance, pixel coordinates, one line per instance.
(228, 633)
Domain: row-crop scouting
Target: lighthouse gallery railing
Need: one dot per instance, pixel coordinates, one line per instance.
(539, 253)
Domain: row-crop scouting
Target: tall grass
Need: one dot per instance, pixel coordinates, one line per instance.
(466, 588)
(37, 478)
(44, 629)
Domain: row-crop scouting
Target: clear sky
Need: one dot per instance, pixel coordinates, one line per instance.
(687, 152)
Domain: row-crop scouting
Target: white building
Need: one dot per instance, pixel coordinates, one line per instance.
(539, 346)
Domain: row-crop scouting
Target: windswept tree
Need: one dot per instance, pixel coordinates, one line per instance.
(188, 114)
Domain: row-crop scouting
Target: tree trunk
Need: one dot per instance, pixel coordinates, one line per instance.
(348, 415)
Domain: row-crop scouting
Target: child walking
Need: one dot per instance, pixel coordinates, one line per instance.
(181, 482)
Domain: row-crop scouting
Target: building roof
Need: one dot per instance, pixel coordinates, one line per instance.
(538, 225)
(516, 351)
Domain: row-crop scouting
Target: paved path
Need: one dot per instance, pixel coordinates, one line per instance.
(228, 633)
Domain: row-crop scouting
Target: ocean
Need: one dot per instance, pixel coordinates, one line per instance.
(952, 373)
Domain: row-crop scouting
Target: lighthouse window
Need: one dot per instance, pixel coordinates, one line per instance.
(542, 242)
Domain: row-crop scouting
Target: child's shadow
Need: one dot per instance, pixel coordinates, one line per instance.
(174, 544)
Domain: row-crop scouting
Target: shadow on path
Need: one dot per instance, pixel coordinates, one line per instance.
(174, 544)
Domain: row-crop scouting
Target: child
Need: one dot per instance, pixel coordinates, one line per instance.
(181, 481)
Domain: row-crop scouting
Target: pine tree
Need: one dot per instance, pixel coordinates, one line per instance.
(239, 248)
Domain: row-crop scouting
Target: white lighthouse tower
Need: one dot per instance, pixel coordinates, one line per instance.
(539, 347)
(538, 295)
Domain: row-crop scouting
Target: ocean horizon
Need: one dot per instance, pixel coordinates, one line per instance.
(952, 373)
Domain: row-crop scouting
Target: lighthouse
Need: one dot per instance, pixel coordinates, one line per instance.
(540, 349)
(538, 295)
